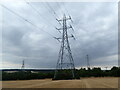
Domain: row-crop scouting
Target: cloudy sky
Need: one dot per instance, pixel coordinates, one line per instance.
(95, 29)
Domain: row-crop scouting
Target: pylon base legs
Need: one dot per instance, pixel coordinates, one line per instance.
(65, 74)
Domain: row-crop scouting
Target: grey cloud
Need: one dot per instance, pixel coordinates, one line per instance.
(95, 27)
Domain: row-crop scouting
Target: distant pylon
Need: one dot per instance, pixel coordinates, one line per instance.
(106, 68)
(65, 59)
(23, 65)
(88, 63)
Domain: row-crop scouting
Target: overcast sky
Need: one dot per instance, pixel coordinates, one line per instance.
(95, 29)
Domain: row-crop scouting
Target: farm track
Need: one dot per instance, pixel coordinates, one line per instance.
(106, 82)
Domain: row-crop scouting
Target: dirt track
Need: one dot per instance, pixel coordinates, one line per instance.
(48, 83)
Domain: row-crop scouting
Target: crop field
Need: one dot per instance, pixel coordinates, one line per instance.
(101, 82)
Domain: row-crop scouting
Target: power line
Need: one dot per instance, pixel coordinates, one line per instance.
(36, 11)
(66, 9)
(25, 20)
(60, 7)
(39, 12)
(48, 10)
(56, 16)
(53, 14)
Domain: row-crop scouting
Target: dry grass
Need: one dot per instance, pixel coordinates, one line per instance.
(106, 82)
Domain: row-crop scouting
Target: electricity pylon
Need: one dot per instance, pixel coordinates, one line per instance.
(65, 59)
(23, 65)
(88, 63)
(106, 68)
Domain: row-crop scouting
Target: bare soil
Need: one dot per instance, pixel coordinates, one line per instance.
(103, 82)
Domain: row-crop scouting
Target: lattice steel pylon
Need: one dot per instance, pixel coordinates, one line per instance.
(88, 63)
(23, 65)
(65, 58)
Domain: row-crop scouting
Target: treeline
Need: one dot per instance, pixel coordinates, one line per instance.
(95, 72)
(25, 75)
